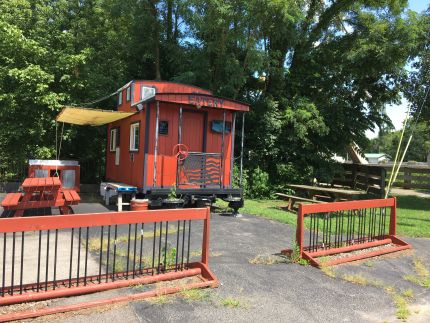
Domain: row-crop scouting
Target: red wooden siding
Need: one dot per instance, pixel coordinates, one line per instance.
(130, 168)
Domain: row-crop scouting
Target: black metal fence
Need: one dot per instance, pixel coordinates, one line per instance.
(346, 227)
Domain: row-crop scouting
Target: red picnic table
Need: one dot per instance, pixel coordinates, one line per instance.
(40, 193)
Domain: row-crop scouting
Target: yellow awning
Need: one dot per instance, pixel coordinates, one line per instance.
(91, 117)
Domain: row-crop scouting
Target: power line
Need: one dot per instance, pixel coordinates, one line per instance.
(102, 98)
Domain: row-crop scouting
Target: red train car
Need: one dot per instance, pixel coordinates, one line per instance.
(180, 136)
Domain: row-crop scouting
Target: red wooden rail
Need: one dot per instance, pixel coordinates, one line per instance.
(83, 228)
(342, 227)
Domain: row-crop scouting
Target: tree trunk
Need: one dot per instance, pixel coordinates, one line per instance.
(169, 21)
(156, 38)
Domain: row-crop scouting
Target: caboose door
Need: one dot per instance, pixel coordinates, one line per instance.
(199, 169)
(193, 130)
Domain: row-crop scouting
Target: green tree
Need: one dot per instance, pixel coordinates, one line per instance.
(418, 80)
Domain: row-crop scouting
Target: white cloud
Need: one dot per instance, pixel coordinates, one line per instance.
(397, 114)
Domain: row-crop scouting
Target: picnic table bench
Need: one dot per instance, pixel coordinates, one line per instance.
(292, 199)
(320, 194)
(327, 192)
(38, 193)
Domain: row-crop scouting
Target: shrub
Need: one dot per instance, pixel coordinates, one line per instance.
(260, 186)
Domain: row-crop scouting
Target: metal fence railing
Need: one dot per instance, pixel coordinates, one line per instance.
(203, 169)
(57, 256)
(324, 230)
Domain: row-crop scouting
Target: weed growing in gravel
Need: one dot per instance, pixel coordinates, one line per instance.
(230, 302)
(159, 300)
(94, 244)
(369, 263)
(422, 277)
(266, 260)
(198, 253)
(401, 301)
(195, 294)
(359, 279)
(329, 271)
(295, 255)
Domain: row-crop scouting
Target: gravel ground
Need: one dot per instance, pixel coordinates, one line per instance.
(280, 292)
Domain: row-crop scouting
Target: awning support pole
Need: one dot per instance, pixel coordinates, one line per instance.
(241, 149)
(156, 145)
(233, 132)
(179, 142)
(222, 151)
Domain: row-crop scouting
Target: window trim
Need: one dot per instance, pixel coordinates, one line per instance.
(120, 98)
(116, 129)
(128, 94)
(132, 126)
(228, 126)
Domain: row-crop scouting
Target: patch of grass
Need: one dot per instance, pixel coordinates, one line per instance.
(389, 289)
(195, 295)
(422, 277)
(420, 268)
(409, 293)
(295, 255)
(198, 253)
(230, 302)
(359, 279)
(159, 300)
(401, 302)
(323, 259)
(329, 271)
(369, 263)
(195, 253)
(94, 244)
(119, 266)
(412, 214)
(270, 209)
(266, 260)
(418, 280)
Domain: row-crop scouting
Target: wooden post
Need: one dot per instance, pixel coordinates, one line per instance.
(354, 176)
(407, 178)
(383, 174)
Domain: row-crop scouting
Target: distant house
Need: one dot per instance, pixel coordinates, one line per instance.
(377, 158)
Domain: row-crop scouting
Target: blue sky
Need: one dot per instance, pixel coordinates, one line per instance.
(397, 113)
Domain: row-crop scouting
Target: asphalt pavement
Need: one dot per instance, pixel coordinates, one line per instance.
(280, 292)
